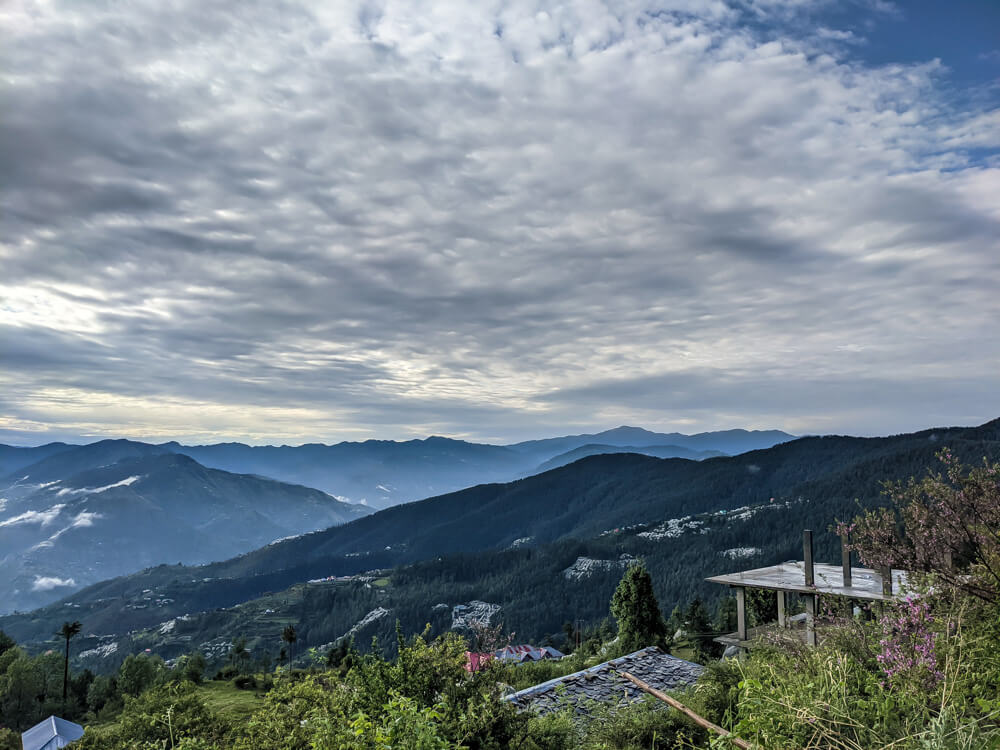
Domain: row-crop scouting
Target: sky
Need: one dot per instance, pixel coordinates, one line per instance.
(282, 222)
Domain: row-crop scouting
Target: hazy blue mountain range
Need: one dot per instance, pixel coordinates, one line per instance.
(383, 473)
(513, 544)
(13, 457)
(729, 442)
(113, 507)
(379, 473)
(61, 505)
(659, 451)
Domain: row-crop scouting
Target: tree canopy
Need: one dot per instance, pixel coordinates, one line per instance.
(634, 606)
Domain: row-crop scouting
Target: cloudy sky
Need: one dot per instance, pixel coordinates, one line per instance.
(283, 222)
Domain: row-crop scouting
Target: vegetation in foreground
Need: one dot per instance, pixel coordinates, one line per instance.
(921, 673)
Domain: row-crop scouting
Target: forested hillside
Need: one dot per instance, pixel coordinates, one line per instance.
(603, 492)
(93, 512)
(517, 546)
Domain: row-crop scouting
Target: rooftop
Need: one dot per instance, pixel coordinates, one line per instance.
(53, 732)
(603, 683)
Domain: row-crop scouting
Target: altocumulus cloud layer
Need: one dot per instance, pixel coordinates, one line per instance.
(273, 220)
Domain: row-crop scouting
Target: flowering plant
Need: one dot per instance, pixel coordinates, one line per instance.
(947, 525)
(907, 643)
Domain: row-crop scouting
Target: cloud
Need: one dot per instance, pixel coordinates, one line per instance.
(96, 490)
(83, 519)
(41, 517)
(295, 222)
(47, 583)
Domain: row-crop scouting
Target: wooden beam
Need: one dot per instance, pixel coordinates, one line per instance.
(781, 608)
(700, 721)
(741, 613)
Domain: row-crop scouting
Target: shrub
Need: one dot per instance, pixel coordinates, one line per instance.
(950, 527)
(161, 717)
(245, 682)
(647, 725)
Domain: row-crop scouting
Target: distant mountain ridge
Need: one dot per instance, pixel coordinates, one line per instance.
(14, 457)
(115, 506)
(81, 515)
(379, 473)
(510, 544)
(728, 442)
(658, 451)
(383, 473)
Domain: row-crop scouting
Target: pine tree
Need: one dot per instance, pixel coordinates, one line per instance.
(634, 606)
(725, 615)
(699, 630)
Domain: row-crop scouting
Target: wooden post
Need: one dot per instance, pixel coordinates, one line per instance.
(781, 608)
(699, 720)
(810, 619)
(845, 560)
(886, 573)
(807, 557)
(741, 613)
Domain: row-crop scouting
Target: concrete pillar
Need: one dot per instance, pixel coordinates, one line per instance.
(886, 574)
(781, 608)
(807, 557)
(845, 561)
(741, 613)
(810, 619)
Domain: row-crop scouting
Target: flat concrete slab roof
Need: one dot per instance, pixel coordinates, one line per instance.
(790, 576)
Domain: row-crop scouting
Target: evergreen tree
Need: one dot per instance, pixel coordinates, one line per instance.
(676, 621)
(238, 654)
(762, 607)
(6, 642)
(725, 615)
(634, 606)
(699, 630)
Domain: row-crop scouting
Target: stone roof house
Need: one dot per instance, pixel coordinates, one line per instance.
(526, 653)
(604, 684)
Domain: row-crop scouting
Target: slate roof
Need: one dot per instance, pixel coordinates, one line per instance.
(528, 653)
(602, 684)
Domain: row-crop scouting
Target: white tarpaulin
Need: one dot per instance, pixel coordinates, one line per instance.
(51, 734)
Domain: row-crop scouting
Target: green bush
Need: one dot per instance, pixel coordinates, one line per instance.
(161, 718)
(838, 695)
(647, 725)
(140, 672)
(245, 682)
(716, 694)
